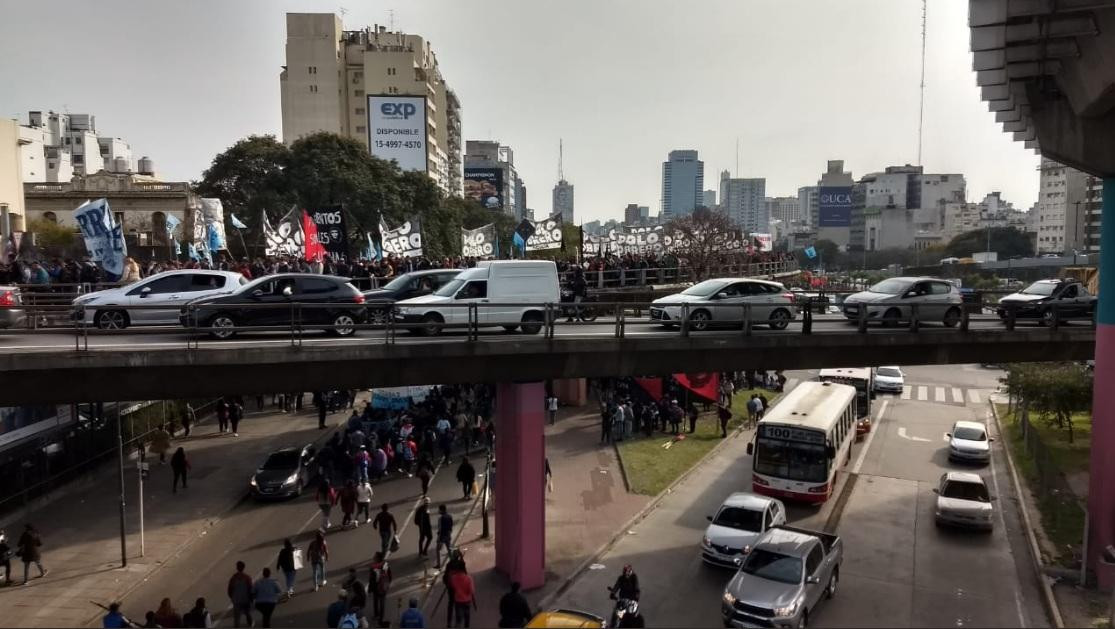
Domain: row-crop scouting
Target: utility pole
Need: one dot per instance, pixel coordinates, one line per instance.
(921, 105)
(120, 455)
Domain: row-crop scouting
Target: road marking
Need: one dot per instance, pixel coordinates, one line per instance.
(870, 437)
(1002, 519)
(902, 433)
(973, 396)
(957, 395)
(906, 390)
(940, 394)
(923, 393)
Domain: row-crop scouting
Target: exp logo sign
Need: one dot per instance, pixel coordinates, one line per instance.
(398, 110)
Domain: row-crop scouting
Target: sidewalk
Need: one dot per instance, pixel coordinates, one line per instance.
(588, 502)
(81, 531)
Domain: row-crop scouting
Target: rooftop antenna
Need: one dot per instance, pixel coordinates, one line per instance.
(737, 157)
(921, 105)
(561, 154)
(391, 20)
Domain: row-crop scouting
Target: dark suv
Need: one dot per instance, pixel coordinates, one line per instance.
(1038, 300)
(414, 284)
(284, 300)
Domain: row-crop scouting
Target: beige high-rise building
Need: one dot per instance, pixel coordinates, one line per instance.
(330, 73)
(11, 185)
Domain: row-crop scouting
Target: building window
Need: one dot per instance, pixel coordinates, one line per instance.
(358, 93)
(313, 89)
(79, 159)
(50, 216)
(391, 72)
(312, 69)
(361, 129)
(359, 111)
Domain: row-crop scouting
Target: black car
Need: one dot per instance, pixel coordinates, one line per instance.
(1038, 300)
(414, 284)
(284, 473)
(300, 299)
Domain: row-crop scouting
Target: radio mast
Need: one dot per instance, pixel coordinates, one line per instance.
(561, 151)
(921, 105)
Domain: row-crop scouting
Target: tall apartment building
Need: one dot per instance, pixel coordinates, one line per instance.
(708, 199)
(54, 147)
(829, 203)
(1061, 220)
(563, 201)
(808, 205)
(683, 183)
(631, 214)
(330, 73)
(1093, 212)
(744, 201)
(784, 209)
(992, 211)
(892, 208)
(491, 178)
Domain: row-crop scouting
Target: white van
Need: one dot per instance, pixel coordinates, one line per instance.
(507, 283)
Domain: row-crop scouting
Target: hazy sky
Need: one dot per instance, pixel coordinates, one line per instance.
(621, 81)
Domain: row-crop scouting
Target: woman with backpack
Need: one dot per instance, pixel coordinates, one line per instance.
(326, 498)
(318, 553)
(285, 564)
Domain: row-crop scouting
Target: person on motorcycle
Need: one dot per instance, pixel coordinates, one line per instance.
(579, 287)
(627, 585)
(632, 617)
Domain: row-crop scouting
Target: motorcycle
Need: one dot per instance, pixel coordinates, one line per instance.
(580, 311)
(621, 608)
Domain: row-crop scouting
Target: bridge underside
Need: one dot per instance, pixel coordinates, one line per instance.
(57, 377)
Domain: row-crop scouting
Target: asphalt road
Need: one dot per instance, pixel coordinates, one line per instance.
(899, 568)
(174, 337)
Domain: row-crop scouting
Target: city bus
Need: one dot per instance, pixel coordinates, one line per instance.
(803, 442)
(863, 379)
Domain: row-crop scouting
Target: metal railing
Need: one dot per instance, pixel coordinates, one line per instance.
(294, 321)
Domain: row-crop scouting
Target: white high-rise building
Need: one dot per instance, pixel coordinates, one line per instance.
(683, 183)
(784, 209)
(1062, 209)
(744, 201)
(54, 147)
(563, 201)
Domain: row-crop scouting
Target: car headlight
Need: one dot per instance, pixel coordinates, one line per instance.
(705, 541)
(253, 482)
(292, 479)
(729, 599)
(746, 550)
(789, 610)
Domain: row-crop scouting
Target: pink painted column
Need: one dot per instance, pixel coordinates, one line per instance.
(1101, 481)
(571, 392)
(520, 498)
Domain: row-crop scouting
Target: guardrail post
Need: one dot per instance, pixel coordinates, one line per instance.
(747, 319)
(621, 322)
(913, 317)
(1056, 317)
(964, 319)
(550, 318)
(1011, 317)
(685, 319)
(862, 319)
(642, 277)
(473, 319)
(600, 279)
(807, 317)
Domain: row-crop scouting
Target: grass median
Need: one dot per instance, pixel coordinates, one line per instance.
(651, 466)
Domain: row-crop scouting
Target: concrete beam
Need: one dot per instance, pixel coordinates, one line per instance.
(34, 377)
(1080, 142)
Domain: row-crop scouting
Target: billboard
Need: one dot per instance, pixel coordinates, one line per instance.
(485, 186)
(397, 130)
(20, 422)
(835, 206)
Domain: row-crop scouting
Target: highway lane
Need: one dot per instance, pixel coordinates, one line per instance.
(899, 570)
(169, 337)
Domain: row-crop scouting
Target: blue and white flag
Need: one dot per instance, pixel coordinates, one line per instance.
(172, 223)
(237, 223)
(370, 253)
(104, 239)
(810, 252)
(214, 216)
(190, 251)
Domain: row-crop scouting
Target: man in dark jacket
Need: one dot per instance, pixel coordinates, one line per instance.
(466, 476)
(514, 611)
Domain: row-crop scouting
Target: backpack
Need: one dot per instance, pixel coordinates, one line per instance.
(349, 621)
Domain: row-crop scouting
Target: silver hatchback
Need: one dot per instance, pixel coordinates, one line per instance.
(156, 300)
(892, 301)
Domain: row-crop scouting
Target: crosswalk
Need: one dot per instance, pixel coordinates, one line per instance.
(943, 394)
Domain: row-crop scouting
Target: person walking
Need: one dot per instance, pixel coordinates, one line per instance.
(364, 495)
(724, 415)
(514, 610)
(30, 551)
(318, 554)
(764, 403)
(166, 615)
(326, 498)
(548, 475)
(379, 582)
(412, 618)
(424, 472)
(425, 527)
(466, 476)
(362, 459)
(222, 415)
(336, 610)
(444, 535)
(552, 407)
(348, 504)
(266, 593)
(198, 617)
(285, 564)
(752, 410)
(240, 595)
(6, 558)
(464, 597)
(187, 420)
(319, 400)
(692, 413)
(160, 443)
(114, 619)
(179, 464)
(385, 524)
(606, 425)
(235, 414)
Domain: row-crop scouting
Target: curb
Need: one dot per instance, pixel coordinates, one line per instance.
(547, 602)
(1049, 601)
(622, 467)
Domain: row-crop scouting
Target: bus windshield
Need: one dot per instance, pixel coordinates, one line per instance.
(791, 460)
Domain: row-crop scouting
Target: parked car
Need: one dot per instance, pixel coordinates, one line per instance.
(520, 289)
(284, 473)
(324, 300)
(889, 379)
(1069, 297)
(380, 301)
(566, 619)
(112, 309)
(738, 523)
(969, 442)
(890, 301)
(721, 301)
(963, 500)
(11, 315)
(783, 579)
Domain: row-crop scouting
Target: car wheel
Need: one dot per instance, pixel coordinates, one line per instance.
(803, 622)
(343, 325)
(532, 323)
(377, 316)
(830, 591)
(891, 318)
(952, 318)
(1047, 317)
(112, 320)
(779, 319)
(699, 320)
(223, 326)
(433, 323)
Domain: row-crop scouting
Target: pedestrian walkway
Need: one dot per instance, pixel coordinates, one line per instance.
(586, 509)
(81, 531)
(944, 394)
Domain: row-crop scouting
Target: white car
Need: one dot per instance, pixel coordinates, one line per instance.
(738, 523)
(889, 379)
(113, 309)
(963, 500)
(891, 301)
(969, 442)
(723, 301)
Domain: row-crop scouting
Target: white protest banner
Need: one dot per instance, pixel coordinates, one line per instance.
(547, 234)
(405, 241)
(479, 242)
(103, 237)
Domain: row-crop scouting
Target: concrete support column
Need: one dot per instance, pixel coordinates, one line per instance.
(571, 392)
(520, 484)
(1101, 497)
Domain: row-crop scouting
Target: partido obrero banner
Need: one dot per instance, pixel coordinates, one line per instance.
(479, 242)
(404, 241)
(547, 234)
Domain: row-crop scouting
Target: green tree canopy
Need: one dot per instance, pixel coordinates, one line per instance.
(250, 178)
(1008, 242)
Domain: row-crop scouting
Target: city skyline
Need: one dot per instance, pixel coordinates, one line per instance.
(815, 111)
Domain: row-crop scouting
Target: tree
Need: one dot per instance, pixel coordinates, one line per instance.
(1055, 391)
(1008, 242)
(52, 239)
(700, 237)
(250, 178)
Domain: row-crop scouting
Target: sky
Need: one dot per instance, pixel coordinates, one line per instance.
(620, 82)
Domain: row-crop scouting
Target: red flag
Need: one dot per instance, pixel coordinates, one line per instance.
(703, 384)
(652, 386)
(314, 250)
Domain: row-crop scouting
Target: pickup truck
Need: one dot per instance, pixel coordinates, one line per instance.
(781, 581)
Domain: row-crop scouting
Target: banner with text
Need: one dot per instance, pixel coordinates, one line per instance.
(329, 223)
(479, 242)
(404, 241)
(284, 240)
(835, 206)
(397, 130)
(547, 234)
(104, 239)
